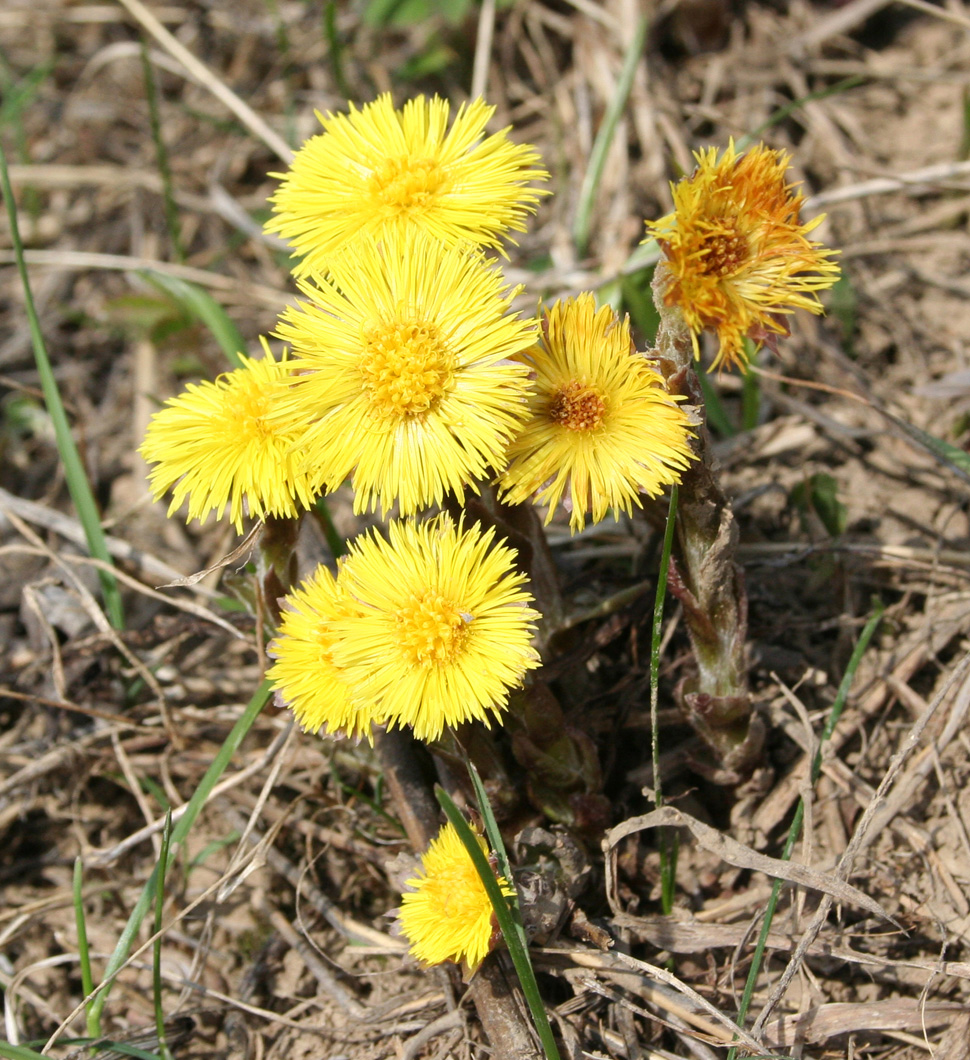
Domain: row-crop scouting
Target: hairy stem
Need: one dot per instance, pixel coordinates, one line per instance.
(706, 579)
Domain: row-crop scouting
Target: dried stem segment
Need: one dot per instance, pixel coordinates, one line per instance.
(706, 579)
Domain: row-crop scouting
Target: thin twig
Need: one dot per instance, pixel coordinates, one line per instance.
(483, 48)
(80, 259)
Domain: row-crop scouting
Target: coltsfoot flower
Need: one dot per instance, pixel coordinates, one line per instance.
(739, 258)
(602, 427)
(305, 676)
(378, 169)
(443, 628)
(448, 916)
(217, 445)
(402, 371)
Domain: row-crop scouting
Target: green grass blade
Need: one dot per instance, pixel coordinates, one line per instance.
(335, 49)
(84, 952)
(503, 913)
(838, 705)
(796, 104)
(965, 124)
(794, 830)
(19, 1052)
(77, 480)
(128, 1050)
(597, 158)
(179, 833)
(492, 831)
(668, 850)
(952, 456)
(201, 305)
(656, 632)
(161, 155)
(163, 853)
(16, 97)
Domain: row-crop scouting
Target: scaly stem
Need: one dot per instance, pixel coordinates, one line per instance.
(706, 579)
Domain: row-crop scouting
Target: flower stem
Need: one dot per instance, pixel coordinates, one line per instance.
(706, 579)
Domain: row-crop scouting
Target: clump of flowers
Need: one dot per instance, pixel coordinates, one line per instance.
(602, 427)
(447, 916)
(378, 170)
(402, 373)
(411, 377)
(220, 444)
(739, 258)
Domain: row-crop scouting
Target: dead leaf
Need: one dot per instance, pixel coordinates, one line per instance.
(742, 857)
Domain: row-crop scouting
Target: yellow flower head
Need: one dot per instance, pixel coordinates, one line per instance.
(602, 426)
(443, 629)
(306, 678)
(378, 168)
(738, 256)
(448, 917)
(402, 372)
(216, 444)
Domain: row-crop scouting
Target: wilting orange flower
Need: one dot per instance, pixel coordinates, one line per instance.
(739, 259)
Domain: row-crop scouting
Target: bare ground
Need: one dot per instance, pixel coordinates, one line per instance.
(280, 942)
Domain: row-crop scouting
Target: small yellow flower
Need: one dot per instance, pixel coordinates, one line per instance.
(738, 256)
(602, 427)
(379, 168)
(304, 673)
(216, 444)
(448, 916)
(443, 629)
(402, 373)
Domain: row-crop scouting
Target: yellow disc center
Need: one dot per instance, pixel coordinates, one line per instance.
(406, 183)
(577, 407)
(406, 368)
(246, 414)
(431, 629)
(725, 253)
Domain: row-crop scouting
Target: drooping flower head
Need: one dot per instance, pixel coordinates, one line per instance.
(448, 916)
(305, 676)
(602, 426)
(402, 372)
(217, 444)
(443, 628)
(378, 169)
(739, 258)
